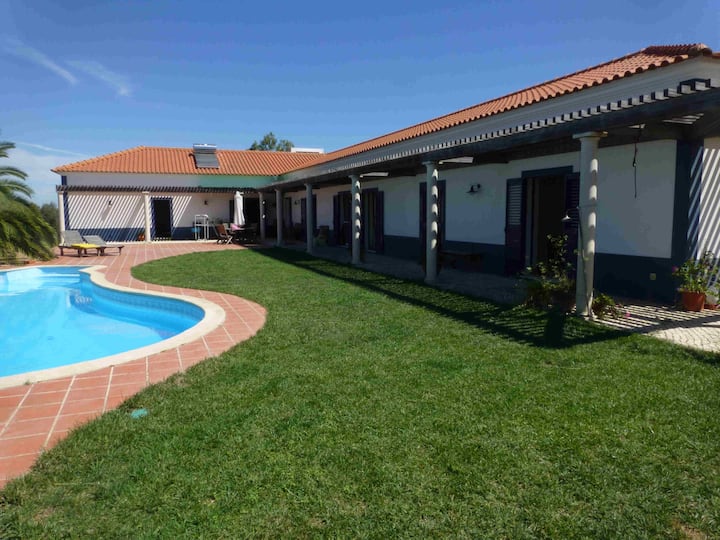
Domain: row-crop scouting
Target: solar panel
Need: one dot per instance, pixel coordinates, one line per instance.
(205, 156)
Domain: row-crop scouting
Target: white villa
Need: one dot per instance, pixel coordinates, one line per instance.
(623, 157)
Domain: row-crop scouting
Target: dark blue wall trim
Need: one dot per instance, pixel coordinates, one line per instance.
(626, 275)
(493, 260)
(130, 234)
(402, 247)
(406, 247)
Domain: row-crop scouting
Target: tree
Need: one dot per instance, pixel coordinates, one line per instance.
(49, 212)
(22, 227)
(270, 142)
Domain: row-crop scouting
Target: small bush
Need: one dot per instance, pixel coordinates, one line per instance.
(604, 306)
(554, 289)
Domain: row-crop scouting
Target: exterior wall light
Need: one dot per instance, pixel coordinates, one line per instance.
(474, 188)
(109, 202)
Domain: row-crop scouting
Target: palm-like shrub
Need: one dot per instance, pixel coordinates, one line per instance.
(22, 227)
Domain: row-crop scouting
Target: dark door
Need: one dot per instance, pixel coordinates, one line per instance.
(373, 220)
(162, 218)
(287, 221)
(342, 218)
(423, 218)
(251, 210)
(515, 222)
(303, 216)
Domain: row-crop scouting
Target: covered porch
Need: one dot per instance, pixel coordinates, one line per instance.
(684, 112)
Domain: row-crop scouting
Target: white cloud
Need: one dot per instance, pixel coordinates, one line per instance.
(37, 167)
(49, 149)
(13, 46)
(99, 71)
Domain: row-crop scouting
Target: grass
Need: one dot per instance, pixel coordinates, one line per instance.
(374, 407)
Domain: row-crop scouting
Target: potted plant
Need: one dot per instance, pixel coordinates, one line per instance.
(696, 277)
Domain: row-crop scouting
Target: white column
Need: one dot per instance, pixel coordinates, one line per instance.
(433, 225)
(262, 216)
(148, 229)
(356, 218)
(587, 210)
(279, 216)
(310, 226)
(61, 215)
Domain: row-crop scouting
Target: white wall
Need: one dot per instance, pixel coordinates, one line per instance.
(641, 225)
(126, 211)
(627, 225)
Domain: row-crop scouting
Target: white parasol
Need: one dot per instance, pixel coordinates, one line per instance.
(239, 218)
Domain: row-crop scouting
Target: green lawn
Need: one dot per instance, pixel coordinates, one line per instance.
(374, 407)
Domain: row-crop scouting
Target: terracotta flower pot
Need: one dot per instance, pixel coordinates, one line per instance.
(693, 301)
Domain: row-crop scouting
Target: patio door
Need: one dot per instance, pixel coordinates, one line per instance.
(342, 218)
(535, 207)
(373, 229)
(303, 216)
(161, 218)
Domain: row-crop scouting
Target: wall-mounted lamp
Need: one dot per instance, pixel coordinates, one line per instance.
(474, 188)
(109, 202)
(296, 202)
(205, 202)
(568, 218)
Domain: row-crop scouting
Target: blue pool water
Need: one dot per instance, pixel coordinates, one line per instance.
(52, 317)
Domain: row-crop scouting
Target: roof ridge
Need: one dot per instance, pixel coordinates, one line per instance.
(679, 52)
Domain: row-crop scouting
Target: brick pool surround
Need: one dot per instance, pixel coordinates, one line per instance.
(213, 317)
(36, 415)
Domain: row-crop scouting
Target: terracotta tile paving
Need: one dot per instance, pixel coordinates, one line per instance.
(34, 417)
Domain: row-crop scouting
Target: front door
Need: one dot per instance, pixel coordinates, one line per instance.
(162, 218)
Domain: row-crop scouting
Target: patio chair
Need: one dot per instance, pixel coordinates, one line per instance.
(74, 240)
(223, 235)
(102, 245)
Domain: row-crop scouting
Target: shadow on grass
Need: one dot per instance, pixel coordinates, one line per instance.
(542, 329)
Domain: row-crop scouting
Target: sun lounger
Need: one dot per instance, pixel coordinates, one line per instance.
(102, 245)
(74, 240)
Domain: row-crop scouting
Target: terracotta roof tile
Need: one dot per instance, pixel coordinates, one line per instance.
(157, 160)
(649, 58)
(248, 162)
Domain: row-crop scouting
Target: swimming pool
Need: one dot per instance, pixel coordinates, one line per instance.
(53, 317)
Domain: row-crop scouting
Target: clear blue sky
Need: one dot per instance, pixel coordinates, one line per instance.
(83, 78)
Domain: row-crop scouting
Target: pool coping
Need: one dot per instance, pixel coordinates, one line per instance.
(34, 417)
(214, 316)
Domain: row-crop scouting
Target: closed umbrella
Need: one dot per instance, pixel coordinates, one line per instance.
(239, 218)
